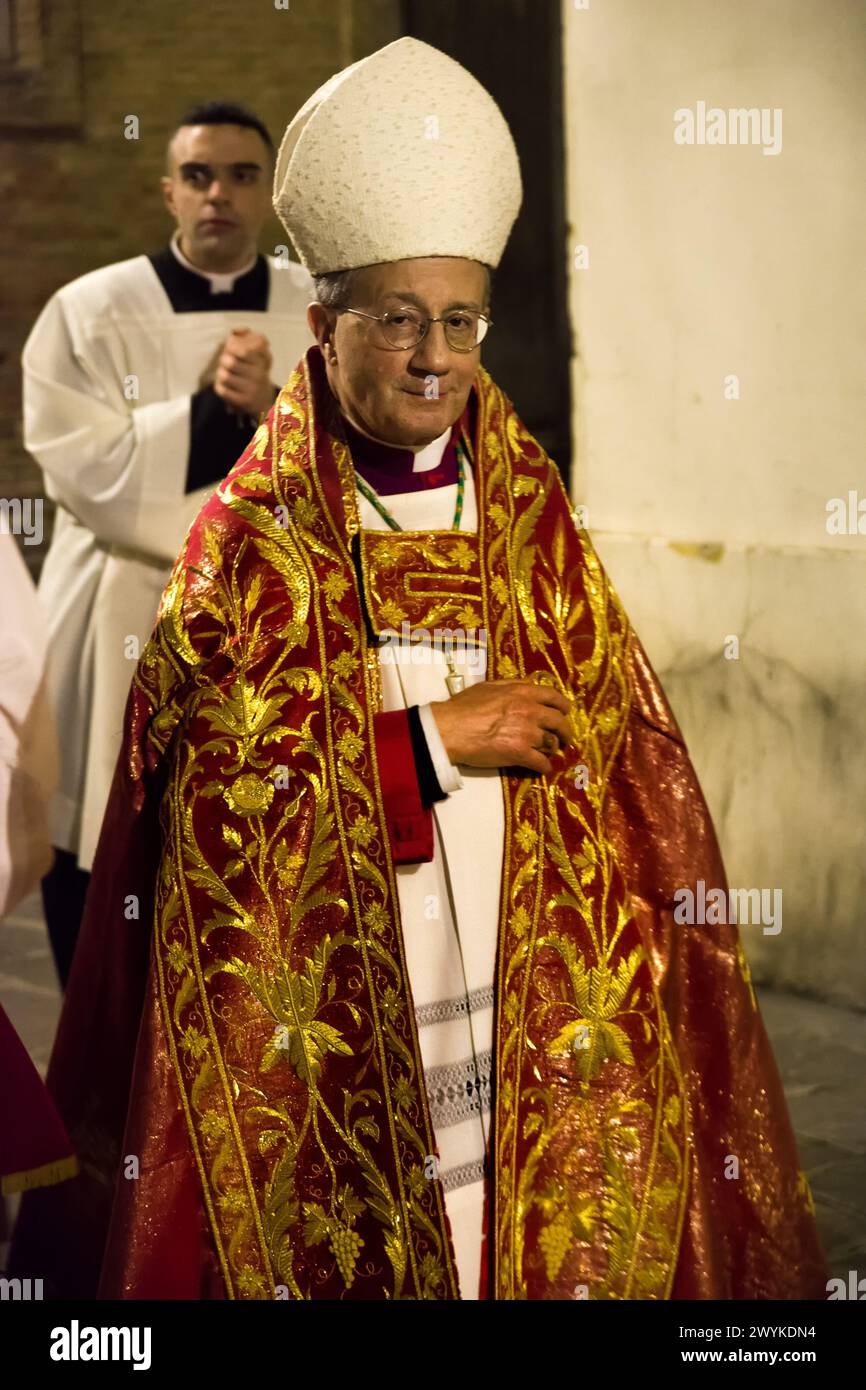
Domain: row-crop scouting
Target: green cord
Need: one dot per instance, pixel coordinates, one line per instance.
(380, 507)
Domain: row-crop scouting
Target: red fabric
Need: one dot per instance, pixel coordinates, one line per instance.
(172, 1257)
(125, 1073)
(32, 1136)
(483, 1281)
(410, 825)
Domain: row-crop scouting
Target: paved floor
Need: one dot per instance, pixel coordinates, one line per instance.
(821, 1051)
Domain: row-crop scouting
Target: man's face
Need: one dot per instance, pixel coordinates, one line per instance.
(218, 190)
(409, 396)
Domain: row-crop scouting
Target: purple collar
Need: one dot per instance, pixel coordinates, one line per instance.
(388, 470)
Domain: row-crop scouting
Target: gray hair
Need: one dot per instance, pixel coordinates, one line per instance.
(334, 287)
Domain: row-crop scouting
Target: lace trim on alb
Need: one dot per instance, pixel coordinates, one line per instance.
(460, 1090)
(444, 1010)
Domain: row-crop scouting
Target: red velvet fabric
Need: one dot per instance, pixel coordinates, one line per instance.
(410, 825)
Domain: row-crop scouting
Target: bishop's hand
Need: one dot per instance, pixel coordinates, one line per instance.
(504, 724)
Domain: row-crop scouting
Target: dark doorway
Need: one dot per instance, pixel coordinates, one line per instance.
(514, 47)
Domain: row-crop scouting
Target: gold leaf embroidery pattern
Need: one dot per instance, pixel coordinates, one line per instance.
(591, 1128)
(264, 993)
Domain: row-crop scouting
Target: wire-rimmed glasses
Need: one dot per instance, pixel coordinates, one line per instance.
(406, 327)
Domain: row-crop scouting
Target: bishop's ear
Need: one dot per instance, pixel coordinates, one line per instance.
(322, 323)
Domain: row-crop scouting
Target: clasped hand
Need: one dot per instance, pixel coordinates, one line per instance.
(243, 373)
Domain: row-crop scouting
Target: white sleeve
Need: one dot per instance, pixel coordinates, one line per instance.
(119, 468)
(28, 744)
(447, 776)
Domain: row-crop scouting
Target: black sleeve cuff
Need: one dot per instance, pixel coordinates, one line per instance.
(217, 438)
(428, 782)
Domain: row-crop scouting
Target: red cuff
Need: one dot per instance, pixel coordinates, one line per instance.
(410, 824)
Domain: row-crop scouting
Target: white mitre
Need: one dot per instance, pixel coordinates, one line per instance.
(403, 154)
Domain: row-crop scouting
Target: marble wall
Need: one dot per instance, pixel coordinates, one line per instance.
(718, 306)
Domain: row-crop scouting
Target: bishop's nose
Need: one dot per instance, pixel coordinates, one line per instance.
(433, 353)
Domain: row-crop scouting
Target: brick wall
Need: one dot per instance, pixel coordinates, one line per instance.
(79, 195)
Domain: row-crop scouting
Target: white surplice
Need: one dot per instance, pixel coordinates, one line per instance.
(449, 907)
(109, 370)
(28, 745)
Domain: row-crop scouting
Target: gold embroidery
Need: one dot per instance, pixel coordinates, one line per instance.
(443, 594)
(280, 956)
(591, 1125)
(258, 983)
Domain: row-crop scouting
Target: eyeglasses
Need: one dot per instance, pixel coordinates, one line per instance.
(406, 327)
